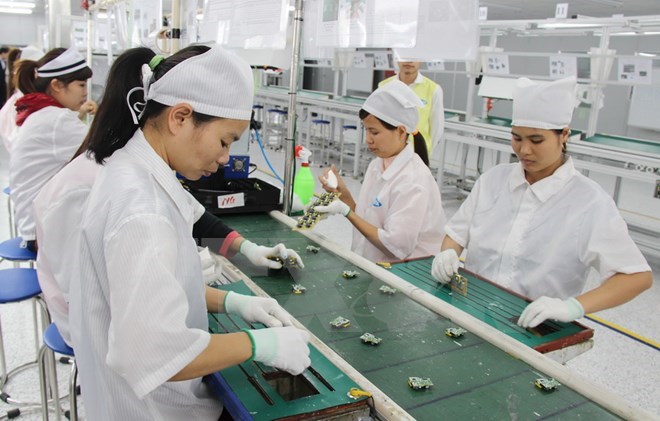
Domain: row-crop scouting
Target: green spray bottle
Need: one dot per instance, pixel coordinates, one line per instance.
(303, 183)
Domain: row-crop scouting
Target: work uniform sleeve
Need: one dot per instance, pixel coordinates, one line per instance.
(437, 118)
(458, 227)
(605, 243)
(149, 341)
(405, 219)
(68, 134)
(214, 234)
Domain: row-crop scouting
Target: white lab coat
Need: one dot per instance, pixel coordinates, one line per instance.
(138, 310)
(8, 127)
(403, 202)
(58, 210)
(45, 142)
(542, 239)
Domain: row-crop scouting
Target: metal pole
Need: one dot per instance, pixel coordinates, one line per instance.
(175, 31)
(289, 141)
(597, 85)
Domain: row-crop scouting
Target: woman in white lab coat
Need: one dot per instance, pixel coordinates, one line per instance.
(138, 308)
(50, 130)
(398, 214)
(538, 226)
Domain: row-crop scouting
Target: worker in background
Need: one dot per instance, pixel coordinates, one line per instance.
(399, 214)
(8, 127)
(59, 206)
(50, 127)
(4, 73)
(432, 114)
(538, 226)
(138, 307)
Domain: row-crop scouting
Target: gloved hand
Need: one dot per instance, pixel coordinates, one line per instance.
(259, 255)
(445, 265)
(337, 207)
(544, 308)
(257, 309)
(284, 348)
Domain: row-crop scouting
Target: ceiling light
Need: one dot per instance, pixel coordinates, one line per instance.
(19, 4)
(501, 7)
(614, 3)
(15, 10)
(647, 54)
(564, 25)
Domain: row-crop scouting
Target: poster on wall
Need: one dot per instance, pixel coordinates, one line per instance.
(367, 23)
(248, 24)
(79, 33)
(447, 30)
(635, 71)
(563, 66)
(495, 64)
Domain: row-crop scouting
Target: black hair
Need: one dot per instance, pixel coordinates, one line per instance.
(113, 125)
(559, 132)
(4, 49)
(28, 82)
(418, 139)
(13, 56)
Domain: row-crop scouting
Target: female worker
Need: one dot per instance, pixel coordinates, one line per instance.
(539, 226)
(50, 130)
(138, 308)
(59, 206)
(399, 214)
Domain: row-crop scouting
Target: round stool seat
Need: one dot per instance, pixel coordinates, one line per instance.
(257, 107)
(12, 250)
(349, 127)
(54, 341)
(6, 191)
(278, 111)
(18, 284)
(320, 121)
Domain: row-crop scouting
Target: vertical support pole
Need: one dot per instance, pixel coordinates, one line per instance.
(597, 85)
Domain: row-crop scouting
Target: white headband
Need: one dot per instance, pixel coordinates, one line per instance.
(66, 63)
(395, 103)
(216, 83)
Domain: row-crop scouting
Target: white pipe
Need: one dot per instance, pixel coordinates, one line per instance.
(563, 374)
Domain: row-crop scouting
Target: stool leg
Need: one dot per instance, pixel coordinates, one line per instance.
(43, 382)
(12, 224)
(36, 330)
(73, 397)
(3, 361)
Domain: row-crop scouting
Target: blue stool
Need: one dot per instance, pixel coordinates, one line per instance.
(16, 285)
(10, 212)
(53, 342)
(13, 250)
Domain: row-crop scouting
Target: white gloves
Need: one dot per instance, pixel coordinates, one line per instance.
(445, 265)
(544, 308)
(284, 348)
(337, 207)
(259, 255)
(257, 309)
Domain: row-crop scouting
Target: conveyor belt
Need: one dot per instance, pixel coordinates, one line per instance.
(472, 378)
(495, 306)
(625, 143)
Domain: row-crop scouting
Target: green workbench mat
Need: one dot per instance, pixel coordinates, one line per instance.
(638, 145)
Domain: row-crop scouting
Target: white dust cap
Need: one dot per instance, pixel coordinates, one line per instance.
(31, 53)
(546, 105)
(66, 63)
(216, 83)
(395, 103)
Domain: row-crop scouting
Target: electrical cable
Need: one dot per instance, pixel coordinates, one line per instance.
(263, 152)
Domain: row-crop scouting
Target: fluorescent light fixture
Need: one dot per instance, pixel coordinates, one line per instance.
(565, 25)
(19, 4)
(613, 3)
(647, 54)
(102, 15)
(16, 10)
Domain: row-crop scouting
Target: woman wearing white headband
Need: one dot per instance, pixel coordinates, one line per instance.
(138, 308)
(399, 213)
(50, 130)
(538, 226)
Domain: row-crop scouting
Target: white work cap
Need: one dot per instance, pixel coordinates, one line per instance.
(544, 105)
(31, 53)
(68, 62)
(216, 83)
(395, 103)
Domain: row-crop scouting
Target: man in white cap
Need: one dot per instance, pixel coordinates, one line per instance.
(538, 227)
(399, 213)
(138, 304)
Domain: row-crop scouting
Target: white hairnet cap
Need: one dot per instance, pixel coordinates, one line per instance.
(544, 105)
(31, 53)
(395, 103)
(216, 83)
(68, 62)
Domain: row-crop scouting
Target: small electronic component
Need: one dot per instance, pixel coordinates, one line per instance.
(313, 249)
(311, 217)
(546, 384)
(298, 289)
(340, 322)
(455, 332)
(349, 274)
(459, 284)
(370, 339)
(418, 383)
(355, 393)
(289, 262)
(387, 290)
(385, 265)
